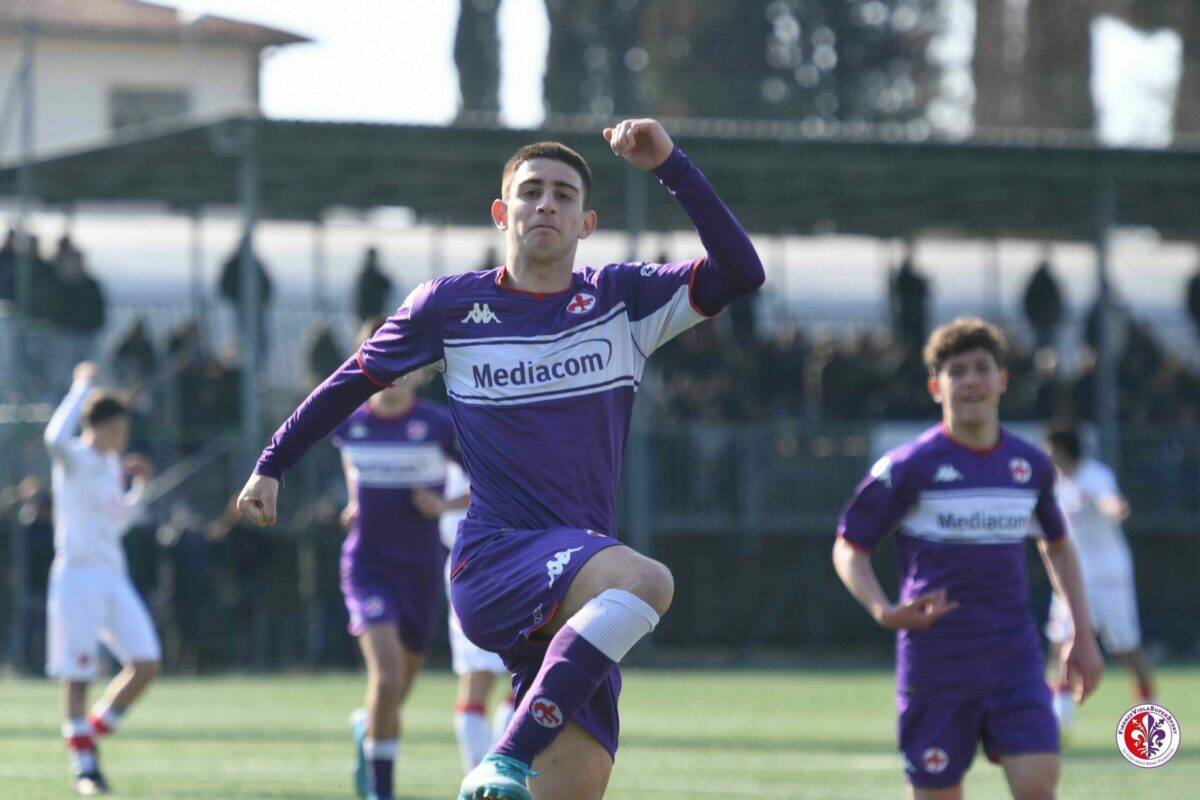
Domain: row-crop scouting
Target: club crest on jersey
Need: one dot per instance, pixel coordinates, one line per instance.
(416, 430)
(373, 607)
(357, 431)
(481, 313)
(581, 303)
(935, 760)
(546, 712)
(1021, 471)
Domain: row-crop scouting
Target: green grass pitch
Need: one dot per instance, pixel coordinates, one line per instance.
(819, 734)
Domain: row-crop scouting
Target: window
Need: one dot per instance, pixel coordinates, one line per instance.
(138, 106)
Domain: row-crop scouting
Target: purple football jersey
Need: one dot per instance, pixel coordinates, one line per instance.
(961, 517)
(387, 458)
(541, 386)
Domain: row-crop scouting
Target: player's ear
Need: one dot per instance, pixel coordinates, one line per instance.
(500, 214)
(934, 390)
(1003, 380)
(590, 221)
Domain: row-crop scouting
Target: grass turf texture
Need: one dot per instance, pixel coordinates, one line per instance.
(816, 734)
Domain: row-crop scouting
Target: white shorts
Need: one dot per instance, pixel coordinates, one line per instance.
(1114, 617)
(465, 656)
(89, 605)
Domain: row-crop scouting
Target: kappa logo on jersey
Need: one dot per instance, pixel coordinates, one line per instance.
(555, 566)
(581, 303)
(1021, 471)
(947, 474)
(416, 430)
(935, 760)
(357, 431)
(481, 313)
(648, 270)
(546, 712)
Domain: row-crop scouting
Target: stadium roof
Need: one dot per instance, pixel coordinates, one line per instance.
(778, 177)
(133, 19)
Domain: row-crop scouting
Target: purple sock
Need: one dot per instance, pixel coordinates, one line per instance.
(571, 672)
(381, 776)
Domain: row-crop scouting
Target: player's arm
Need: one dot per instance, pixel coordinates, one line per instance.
(853, 566)
(65, 420)
(731, 267)
(1081, 659)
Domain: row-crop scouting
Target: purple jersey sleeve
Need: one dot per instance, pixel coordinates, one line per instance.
(732, 267)
(878, 505)
(1048, 512)
(329, 404)
(410, 339)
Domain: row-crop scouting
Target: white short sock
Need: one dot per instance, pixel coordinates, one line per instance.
(380, 749)
(613, 621)
(1064, 708)
(473, 735)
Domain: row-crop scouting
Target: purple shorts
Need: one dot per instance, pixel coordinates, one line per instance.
(407, 596)
(507, 586)
(938, 735)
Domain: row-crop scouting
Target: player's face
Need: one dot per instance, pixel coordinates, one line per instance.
(543, 216)
(112, 435)
(969, 386)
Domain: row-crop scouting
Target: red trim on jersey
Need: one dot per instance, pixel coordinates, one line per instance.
(470, 708)
(459, 568)
(535, 295)
(366, 373)
(692, 285)
(858, 547)
(983, 451)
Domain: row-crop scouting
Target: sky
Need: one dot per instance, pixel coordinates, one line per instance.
(392, 61)
(387, 60)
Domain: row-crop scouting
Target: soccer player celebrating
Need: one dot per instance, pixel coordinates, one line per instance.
(90, 598)
(1095, 509)
(541, 362)
(961, 499)
(476, 668)
(391, 559)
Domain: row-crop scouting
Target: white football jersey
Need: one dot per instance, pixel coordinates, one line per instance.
(1100, 542)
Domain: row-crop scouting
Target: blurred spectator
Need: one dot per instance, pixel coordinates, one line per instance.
(134, 358)
(1043, 305)
(77, 307)
(8, 267)
(189, 590)
(1192, 300)
(231, 290)
(35, 527)
(908, 300)
(325, 355)
(372, 289)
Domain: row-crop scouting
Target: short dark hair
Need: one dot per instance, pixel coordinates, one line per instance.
(960, 336)
(1064, 436)
(555, 151)
(103, 406)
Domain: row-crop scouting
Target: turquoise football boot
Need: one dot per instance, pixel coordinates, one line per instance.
(358, 729)
(497, 778)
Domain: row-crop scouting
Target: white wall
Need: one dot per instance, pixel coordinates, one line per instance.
(74, 76)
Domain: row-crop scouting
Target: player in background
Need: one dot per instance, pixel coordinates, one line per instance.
(90, 598)
(541, 363)
(1095, 509)
(391, 562)
(476, 668)
(961, 500)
